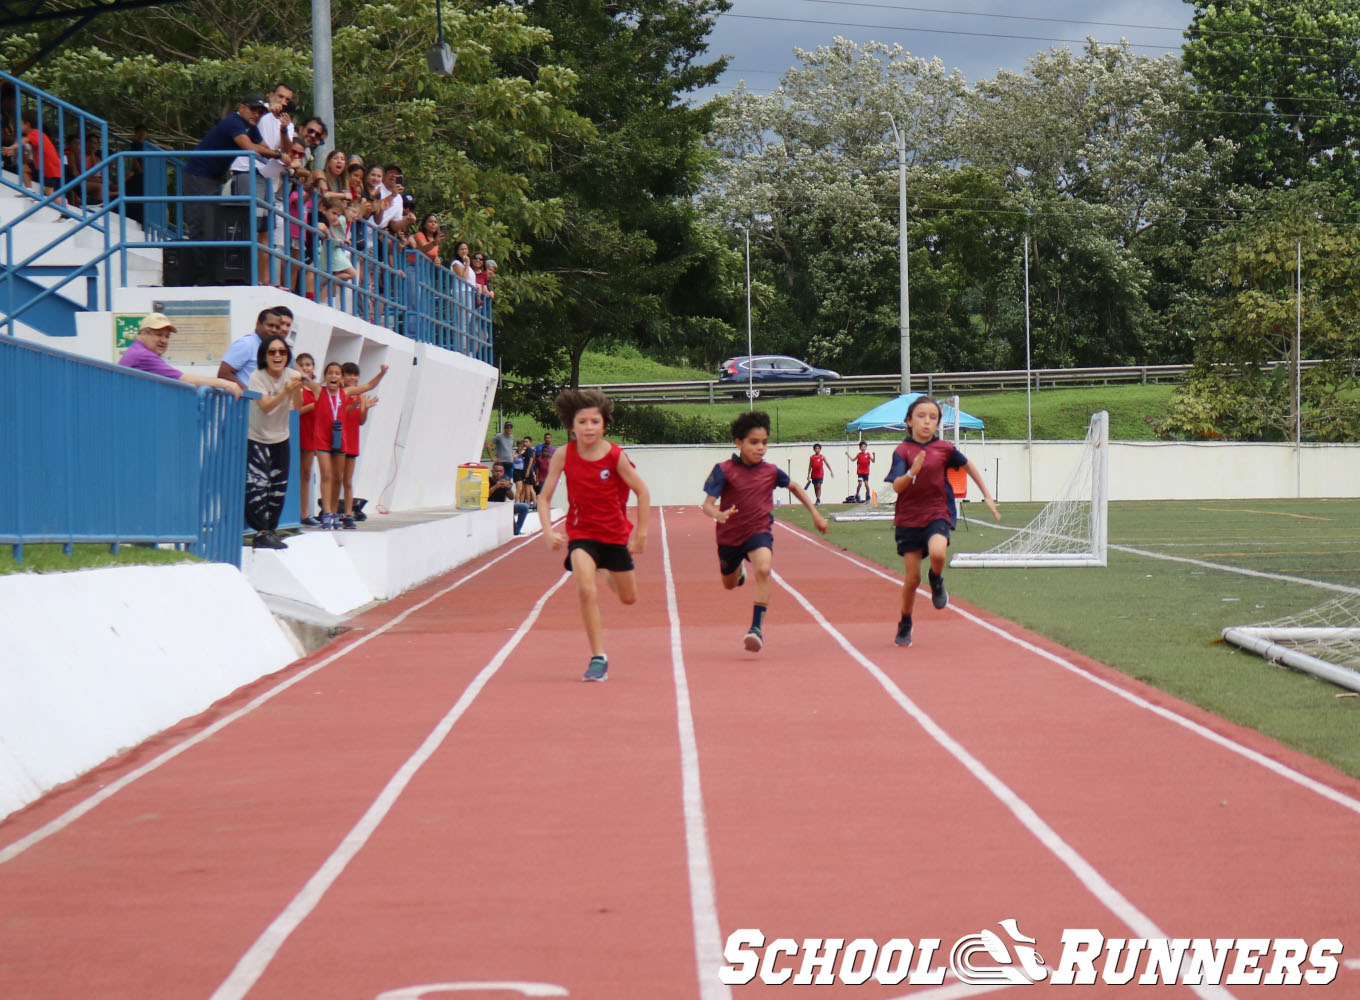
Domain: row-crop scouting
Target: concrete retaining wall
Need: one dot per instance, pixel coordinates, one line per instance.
(97, 661)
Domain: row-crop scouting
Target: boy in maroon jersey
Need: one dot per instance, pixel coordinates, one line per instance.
(746, 483)
(600, 539)
(925, 511)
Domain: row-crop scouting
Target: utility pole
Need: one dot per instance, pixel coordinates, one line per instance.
(323, 83)
(903, 280)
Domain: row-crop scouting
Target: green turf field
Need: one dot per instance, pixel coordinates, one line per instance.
(1159, 619)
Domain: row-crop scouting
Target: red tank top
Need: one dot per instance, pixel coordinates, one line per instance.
(598, 497)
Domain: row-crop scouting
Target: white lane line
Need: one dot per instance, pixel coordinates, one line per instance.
(12, 851)
(1256, 757)
(1259, 574)
(708, 941)
(254, 962)
(1115, 901)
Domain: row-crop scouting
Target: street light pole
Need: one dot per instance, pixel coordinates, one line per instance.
(323, 84)
(903, 280)
(750, 360)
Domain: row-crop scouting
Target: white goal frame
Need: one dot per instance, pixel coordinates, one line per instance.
(1266, 641)
(1044, 542)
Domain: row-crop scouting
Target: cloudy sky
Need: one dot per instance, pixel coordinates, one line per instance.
(976, 36)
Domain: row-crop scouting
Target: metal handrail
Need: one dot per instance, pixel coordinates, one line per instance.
(711, 390)
(400, 289)
(84, 120)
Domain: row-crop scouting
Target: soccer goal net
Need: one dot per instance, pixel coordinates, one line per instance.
(1071, 529)
(1324, 641)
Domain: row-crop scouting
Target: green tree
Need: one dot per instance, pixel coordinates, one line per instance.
(468, 143)
(1092, 145)
(630, 263)
(812, 170)
(1245, 309)
(1282, 81)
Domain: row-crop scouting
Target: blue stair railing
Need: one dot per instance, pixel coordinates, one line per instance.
(61, 123)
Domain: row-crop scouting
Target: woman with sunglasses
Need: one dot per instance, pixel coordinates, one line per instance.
(280, 389)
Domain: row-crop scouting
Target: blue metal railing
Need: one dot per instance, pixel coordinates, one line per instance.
(62, 124)
(394, 286)
(104, 454)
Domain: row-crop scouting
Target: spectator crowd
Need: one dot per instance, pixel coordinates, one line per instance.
(322, 218)
(331, 413)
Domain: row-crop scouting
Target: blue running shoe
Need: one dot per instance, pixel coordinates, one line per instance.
(598, 669)
(754, 641)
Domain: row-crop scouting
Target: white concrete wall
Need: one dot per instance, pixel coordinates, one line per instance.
(1139, 470)
(98, 661)
(434, 406)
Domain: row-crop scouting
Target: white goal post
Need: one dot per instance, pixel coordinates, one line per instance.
(1071, 530)
(1323, 641)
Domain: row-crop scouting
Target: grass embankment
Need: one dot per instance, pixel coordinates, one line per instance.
(51, 558)
(1058, 414)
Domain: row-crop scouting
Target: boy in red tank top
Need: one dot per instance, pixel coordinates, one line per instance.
(746, 483)
(600, 539)
(818, 469)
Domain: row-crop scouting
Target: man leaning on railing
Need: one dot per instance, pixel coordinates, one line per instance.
(147, 354)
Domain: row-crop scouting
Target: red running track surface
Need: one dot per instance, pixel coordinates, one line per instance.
(435, 806)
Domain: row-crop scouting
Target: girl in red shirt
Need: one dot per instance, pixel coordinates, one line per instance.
(600, 539)
(307, 443)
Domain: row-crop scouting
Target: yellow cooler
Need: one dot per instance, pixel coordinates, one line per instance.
(473, 482)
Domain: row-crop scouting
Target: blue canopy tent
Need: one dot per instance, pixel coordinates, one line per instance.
(892, 416)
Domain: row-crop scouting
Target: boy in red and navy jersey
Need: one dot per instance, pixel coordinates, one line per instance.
(600, 539)
(746, 484)
(925, 511)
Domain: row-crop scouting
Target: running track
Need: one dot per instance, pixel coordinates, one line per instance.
(436, 798)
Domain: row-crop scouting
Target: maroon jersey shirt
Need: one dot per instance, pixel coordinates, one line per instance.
(749, 488)
(930, 498)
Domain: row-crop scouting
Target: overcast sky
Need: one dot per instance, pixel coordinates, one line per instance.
(976, 36)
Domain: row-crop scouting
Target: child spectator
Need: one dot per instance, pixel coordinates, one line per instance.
(600, 539)
(863, 460)
(746, 483)
(925, 511)
(280, 389)
(308, 438)
(331, 407)
(529, 485)
(330, 455)
(356, 414)
(337, 242)
(42, 162)
(542, 459)
(817, 470)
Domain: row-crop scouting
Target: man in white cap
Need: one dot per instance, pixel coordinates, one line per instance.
(146, 354)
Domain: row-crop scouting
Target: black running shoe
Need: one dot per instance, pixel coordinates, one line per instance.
(938, 596)
(903, 633)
